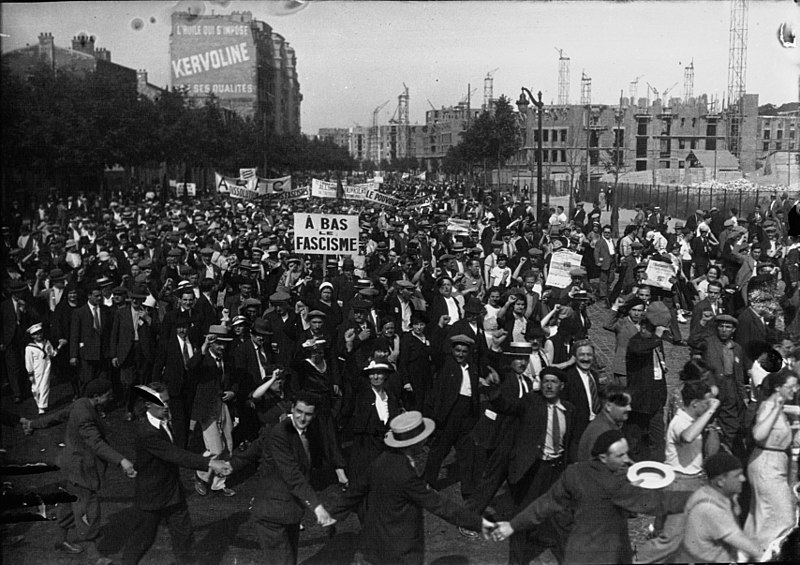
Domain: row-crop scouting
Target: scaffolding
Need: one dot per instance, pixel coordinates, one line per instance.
(688, 82)
(563, 78)
(488, 90)
(586, 89)
(737, 71)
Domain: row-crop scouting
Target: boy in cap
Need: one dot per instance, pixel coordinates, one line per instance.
(712, 533)
(39, 356)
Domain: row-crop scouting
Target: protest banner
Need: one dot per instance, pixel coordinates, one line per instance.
(458, 226)
(380, 198)
(326, 234)
(252, 187)
(323, 189)
(560, 265)
(293, 194)
(187, 188)
(658, 274)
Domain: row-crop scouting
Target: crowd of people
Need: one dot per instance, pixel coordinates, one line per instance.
(196, 316)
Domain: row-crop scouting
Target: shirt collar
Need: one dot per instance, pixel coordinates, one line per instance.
(155, 422)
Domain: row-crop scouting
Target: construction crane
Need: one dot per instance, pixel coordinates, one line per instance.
(688, 82)
(563, 78)
(488, 89)
(468, 96)
(654, 90)
(633, 89)
(374, 134)
(431, 104)
(666, 93)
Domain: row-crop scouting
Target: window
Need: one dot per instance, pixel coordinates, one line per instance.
(779, 134)
(778, 146)
(681, 144)
(767, 133)
(536, 136)
(563, 156)
(545, 136)
(554, 156)
(766, 146)
(694, 144)
(563, 136)
(545, 156)
(681, 164)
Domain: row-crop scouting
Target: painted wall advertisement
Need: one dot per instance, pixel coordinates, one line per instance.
(209, 57)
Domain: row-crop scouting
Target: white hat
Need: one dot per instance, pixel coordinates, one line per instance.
(149, 302)
(408, 429)
(34, 328)
(326, 284)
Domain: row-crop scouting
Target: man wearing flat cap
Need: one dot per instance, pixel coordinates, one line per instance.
(712, 533)
(646, 371)
(601, 498)
(281, 320)
(725, 358)
(454, 402)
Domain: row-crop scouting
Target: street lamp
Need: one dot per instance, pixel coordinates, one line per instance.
(522, 105)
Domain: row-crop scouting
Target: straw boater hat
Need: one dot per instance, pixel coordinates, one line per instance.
(34, 328)
(519, 349)
(149, 395)
(374, 367)
(408, 429)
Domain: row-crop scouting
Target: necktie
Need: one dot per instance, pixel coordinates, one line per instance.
(185, 354)
(594, 395)
(96, 312)
(262, 359)
(306, 447)
(556, 429)
(523, 383)
(167, 428)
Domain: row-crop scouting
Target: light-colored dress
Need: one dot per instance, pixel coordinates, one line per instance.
(772, 510)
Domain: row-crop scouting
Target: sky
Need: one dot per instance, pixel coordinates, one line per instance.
(355, 55)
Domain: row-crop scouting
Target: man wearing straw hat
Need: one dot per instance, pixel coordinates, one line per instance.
(393, 527)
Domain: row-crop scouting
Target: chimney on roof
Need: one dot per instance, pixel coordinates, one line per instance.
(102, 54)
(83, 43)
(47, 49)
(141, 80)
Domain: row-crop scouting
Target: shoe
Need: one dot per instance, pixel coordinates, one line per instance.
(225, 491)
(67, 547)
(681, 318)
(467, 533)
(200, 487)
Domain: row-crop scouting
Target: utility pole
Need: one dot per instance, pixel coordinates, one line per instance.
(619, 159)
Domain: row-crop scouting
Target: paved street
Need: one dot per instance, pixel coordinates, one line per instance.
(222, 530)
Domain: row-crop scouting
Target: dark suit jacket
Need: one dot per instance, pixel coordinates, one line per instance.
(95, 344)
(12, 330)
(284, 469)
(446, 386)
(158, 482)
(531, 410)
(414, 363)
(280, 338)
(122, 336)
(86, 452)
(749, 329)
(207, 314)
(211, 382)
(393, 526)
(697, 313)
(647, 394)
(575, 394)
(61, 321)
(168, 325)
(168, 366)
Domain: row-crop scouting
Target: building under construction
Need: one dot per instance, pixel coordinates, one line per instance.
(642, 135)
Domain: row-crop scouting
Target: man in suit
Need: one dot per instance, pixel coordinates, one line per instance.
(186, 306)
(60, 325)
(15, 318)
(725, 359)
(284, 453)
(581, 387)
(279, 319)
(712, 301)
(215, 388)
(454, 401)
(251, 362)
(90, 329)
(83, 460)
(132, 346)
(544, 442)
(207, 312)
(171, 367)
(605, 257)
(752, 324)
(646, 371)
(158, 494)
(393, 527)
